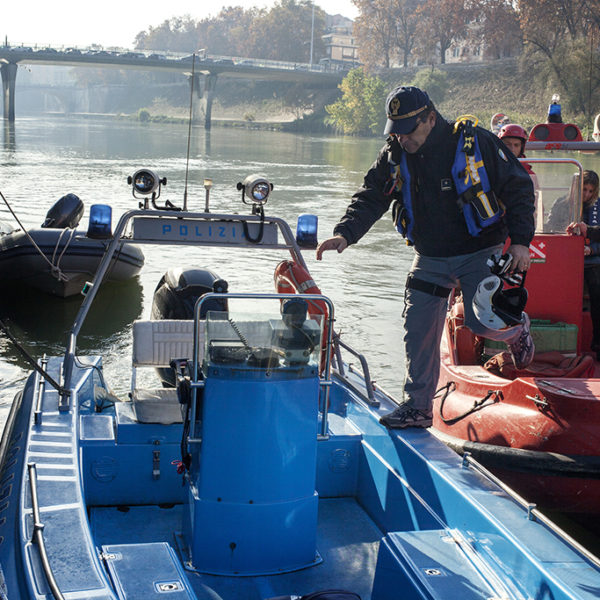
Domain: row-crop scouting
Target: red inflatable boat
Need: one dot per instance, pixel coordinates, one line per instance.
(537, 429)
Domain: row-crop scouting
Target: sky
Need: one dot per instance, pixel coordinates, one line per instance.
(80, 23)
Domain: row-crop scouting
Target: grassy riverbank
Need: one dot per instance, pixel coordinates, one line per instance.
(477, 89)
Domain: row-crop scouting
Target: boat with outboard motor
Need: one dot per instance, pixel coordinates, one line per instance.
(265, 472)
(57, 258)
(538, 428)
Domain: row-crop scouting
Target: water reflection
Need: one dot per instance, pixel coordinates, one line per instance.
(42, 322)
(9, 138)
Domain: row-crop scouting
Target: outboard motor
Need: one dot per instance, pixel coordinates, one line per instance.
(175, 297)
(66, 212)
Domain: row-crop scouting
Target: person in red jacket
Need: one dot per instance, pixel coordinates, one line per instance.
(515, 137)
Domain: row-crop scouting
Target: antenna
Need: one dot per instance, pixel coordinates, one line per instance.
(187, 159)
(590, 84)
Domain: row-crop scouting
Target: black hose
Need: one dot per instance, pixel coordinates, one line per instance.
(495, 395)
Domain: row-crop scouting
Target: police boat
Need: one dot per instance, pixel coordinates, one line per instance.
(538, 428)
(264, 472)
(57, 258)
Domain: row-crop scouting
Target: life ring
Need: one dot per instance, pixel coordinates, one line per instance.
(292, 278)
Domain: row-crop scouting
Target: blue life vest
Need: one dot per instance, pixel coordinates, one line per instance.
(477, 201)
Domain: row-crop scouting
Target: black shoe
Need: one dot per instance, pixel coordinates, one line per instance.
(406, 416)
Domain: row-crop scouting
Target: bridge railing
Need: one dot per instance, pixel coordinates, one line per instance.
(117, 52)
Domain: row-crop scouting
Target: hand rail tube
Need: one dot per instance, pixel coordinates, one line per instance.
(69, 359)
(365, 370)
(37, 414)
(38, 533)
(532, 511)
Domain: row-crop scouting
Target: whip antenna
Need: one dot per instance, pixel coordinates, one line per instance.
(187, 160)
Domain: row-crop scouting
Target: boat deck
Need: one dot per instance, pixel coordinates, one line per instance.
(347, 540)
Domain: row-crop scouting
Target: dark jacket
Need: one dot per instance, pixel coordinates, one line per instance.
(440, 228)
(593, 233)
(591, 216)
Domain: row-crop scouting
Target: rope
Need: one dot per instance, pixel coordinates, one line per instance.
(54, 269)
(493, 395)
(59, 388)
(56, 264)
(240, 335)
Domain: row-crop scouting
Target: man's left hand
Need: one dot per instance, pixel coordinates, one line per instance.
(521, 260)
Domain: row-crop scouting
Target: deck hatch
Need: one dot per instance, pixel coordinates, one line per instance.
(146, 572)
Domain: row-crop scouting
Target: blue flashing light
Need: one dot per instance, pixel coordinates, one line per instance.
(306, 231)
(554, 110)
(100, 225)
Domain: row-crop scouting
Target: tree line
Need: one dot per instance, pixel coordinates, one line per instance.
(557, 43)
(285, 32)
(556, 40)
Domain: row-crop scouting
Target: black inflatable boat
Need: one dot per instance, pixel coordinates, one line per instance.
(57, 258)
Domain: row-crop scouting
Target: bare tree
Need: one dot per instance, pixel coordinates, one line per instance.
(558, 39)
(377, 31)
(498, 29)
(441, 23)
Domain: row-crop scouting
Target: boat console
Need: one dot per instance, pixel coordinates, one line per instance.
(252, 505)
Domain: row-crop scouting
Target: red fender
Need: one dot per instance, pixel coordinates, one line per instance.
(292, 278)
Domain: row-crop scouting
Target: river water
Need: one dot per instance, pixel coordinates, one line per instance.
(43, 158)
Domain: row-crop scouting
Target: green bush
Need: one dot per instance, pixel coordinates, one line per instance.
(434, 82)
(143, 115)
(360, 110)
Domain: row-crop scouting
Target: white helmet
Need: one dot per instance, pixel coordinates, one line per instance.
(496, 308)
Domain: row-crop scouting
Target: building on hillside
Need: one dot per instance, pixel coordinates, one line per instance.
(475, 48)
(340, 47)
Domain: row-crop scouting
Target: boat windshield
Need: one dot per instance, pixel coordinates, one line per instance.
(242, 340)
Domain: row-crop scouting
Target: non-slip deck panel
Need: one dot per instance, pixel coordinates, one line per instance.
(427, 564)
(347, 540)
(146, 572)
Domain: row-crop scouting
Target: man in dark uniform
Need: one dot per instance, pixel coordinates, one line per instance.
(414, 169)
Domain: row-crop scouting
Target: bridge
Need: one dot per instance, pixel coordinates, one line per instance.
(201, 70)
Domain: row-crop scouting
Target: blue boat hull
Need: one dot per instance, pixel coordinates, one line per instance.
(399, 514)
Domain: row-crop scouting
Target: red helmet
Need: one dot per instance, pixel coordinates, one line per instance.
(512, 130)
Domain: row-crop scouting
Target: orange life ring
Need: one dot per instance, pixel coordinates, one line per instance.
(292, 278)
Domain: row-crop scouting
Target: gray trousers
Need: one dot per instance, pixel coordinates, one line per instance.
(424, 316)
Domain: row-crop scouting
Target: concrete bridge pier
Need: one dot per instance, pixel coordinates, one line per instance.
(9, 79)
(204, 92)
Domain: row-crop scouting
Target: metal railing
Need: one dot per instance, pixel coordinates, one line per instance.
(166, 217)
(37, 537)
(325, 380)
(532, 511)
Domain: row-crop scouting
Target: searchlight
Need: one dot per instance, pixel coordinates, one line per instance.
(257, 189)
(146, 184)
